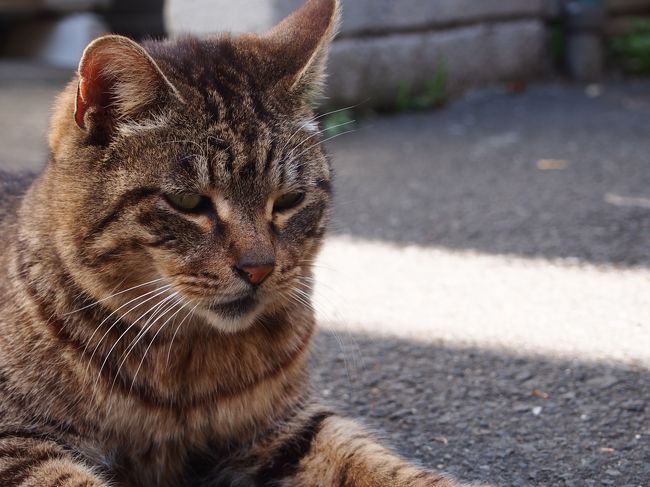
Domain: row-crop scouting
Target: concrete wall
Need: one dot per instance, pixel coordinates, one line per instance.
(375, 69)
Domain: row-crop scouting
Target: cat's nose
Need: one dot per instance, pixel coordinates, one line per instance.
(255, 273)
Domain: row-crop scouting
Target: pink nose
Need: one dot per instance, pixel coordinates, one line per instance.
(256, 274)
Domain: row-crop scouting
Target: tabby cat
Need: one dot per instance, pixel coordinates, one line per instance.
(155, 278)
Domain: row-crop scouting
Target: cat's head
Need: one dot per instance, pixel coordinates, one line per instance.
(196, 164)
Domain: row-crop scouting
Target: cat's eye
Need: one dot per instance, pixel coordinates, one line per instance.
(288, 201)
(188, 202)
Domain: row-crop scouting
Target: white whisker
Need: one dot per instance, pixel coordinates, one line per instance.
(113, 295)
(158, 291)
(176, 332)
(317, 134)
(153, 308)
(321, 142)
(181, 307)
(312, 120)
(161, 310)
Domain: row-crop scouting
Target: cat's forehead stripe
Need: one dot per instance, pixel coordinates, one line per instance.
(203, 171)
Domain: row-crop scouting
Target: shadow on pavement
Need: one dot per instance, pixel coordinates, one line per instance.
(489, 416)
(551, 173)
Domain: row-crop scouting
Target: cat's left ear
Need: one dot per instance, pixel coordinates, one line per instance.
(302, 43)
(118, 79)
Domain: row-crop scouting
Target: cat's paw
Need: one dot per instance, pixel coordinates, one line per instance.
(438, 480)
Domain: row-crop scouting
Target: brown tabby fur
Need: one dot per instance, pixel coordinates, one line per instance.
(98, 392)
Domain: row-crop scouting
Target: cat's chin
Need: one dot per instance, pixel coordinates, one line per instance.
(229, 323)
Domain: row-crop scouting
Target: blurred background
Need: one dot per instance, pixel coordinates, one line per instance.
(484, 291)
(391, 55)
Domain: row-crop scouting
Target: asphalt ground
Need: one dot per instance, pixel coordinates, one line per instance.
(484, 291)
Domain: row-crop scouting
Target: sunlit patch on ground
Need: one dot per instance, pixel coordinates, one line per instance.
(524, 305)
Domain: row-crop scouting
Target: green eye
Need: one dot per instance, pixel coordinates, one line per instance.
(187, 201)
(288, 201)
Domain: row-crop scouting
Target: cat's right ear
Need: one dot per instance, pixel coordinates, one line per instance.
(301, 43)
(118, 80)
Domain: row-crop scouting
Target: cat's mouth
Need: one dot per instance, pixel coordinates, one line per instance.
(236, 308)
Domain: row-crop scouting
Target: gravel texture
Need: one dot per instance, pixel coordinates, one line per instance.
(484, 292)
(469, 177)
(497, 416)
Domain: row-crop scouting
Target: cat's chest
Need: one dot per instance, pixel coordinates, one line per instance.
(173, 465)
(170, 448)
(136, 464)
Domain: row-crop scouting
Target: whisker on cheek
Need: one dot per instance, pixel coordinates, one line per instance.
(199, 286)
(161, 309)
(142, 300)
(180, 306)
(114, 295)
(171, 343)
(128, 329)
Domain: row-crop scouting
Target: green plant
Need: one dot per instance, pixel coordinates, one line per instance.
(632, 50)
(338, 122)
(434, 93)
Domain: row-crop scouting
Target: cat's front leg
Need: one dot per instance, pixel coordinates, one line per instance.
(31, 462)
(331, 451)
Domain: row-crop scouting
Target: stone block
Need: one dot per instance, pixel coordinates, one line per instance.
(205, 17)
(519, 50)
(373, 70)
(388, 15)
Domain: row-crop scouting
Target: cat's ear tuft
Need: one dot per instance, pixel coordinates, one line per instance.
(302, 41)
(118, 80)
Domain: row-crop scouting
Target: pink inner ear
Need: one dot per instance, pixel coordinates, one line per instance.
(81, 105)
(90, 91)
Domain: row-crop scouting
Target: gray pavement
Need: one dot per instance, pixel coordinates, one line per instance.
(483, 294)
(469, 177)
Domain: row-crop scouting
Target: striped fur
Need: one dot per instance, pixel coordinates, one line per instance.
(120, 362)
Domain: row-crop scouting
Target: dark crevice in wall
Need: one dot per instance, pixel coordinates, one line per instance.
(432, 27)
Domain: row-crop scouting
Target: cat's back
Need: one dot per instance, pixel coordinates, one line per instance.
(12, 187)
